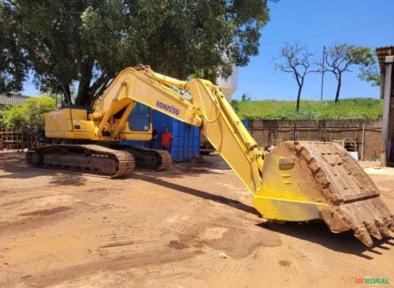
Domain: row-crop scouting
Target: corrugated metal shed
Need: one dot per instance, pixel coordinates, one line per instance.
(14, 100)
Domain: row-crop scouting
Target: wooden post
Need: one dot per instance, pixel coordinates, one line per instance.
(382, 82)
(386, 109)
(363, 143)
(17, 140)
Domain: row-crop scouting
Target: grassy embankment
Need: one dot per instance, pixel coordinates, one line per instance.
(358, 108)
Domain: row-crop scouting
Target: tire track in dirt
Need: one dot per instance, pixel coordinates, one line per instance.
(147, 259)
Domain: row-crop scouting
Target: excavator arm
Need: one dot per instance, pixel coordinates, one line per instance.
(208, 108)
(296, 181)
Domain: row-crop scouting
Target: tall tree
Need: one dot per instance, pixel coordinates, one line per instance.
(297, 61)
(84, 43)
(339, 58)
(12, 62)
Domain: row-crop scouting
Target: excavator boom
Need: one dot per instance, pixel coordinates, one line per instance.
(296, 181)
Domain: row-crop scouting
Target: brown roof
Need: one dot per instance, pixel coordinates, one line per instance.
(382, 52)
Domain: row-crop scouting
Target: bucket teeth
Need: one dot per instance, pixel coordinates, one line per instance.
(351, 195)
(363, 236)
(365, 217)
(373, 231)
(383, 229)
(391, 226)
(389, 222)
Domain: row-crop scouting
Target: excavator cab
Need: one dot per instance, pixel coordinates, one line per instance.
(140, 120)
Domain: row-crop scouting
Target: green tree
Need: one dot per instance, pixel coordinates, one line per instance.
(16, 117)
(84, 43)
(31, 115)
(370, 72)
(339, 58)
(3, 117)
(12, 63)
(36, 109)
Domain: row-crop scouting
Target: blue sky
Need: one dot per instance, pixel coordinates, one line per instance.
(313, 23)
(316, 23)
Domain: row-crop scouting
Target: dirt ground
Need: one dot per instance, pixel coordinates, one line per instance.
(191, 226)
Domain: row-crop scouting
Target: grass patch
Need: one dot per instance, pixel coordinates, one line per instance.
(357, 108)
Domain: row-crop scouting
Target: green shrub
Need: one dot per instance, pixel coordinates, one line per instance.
(29, 116)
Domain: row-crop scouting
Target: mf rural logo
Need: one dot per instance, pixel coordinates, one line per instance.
(372, 281)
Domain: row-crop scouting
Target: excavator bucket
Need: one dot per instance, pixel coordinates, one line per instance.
(305, 181)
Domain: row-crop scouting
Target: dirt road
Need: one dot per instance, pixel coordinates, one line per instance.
(191, 226)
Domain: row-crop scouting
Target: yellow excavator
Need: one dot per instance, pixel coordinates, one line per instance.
(295, 181)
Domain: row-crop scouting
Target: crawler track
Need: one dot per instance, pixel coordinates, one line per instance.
(149, 158)
(88, 158)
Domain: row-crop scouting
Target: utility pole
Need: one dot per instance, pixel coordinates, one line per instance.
(322, 74)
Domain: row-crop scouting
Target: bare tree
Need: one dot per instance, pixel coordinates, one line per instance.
(340, 57)
(296, 60)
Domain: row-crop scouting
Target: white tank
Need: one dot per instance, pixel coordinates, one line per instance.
(229, 85)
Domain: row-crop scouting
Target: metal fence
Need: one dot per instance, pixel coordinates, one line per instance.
(13, 100)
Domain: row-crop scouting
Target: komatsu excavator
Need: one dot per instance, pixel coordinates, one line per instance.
(295, 181)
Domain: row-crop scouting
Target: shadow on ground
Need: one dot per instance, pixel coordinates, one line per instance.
(207, 164)
(198, 193)
(16, 168)
(317, 232)
(68, 179)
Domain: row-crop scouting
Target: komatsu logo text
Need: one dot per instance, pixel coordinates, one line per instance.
(167, 107)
